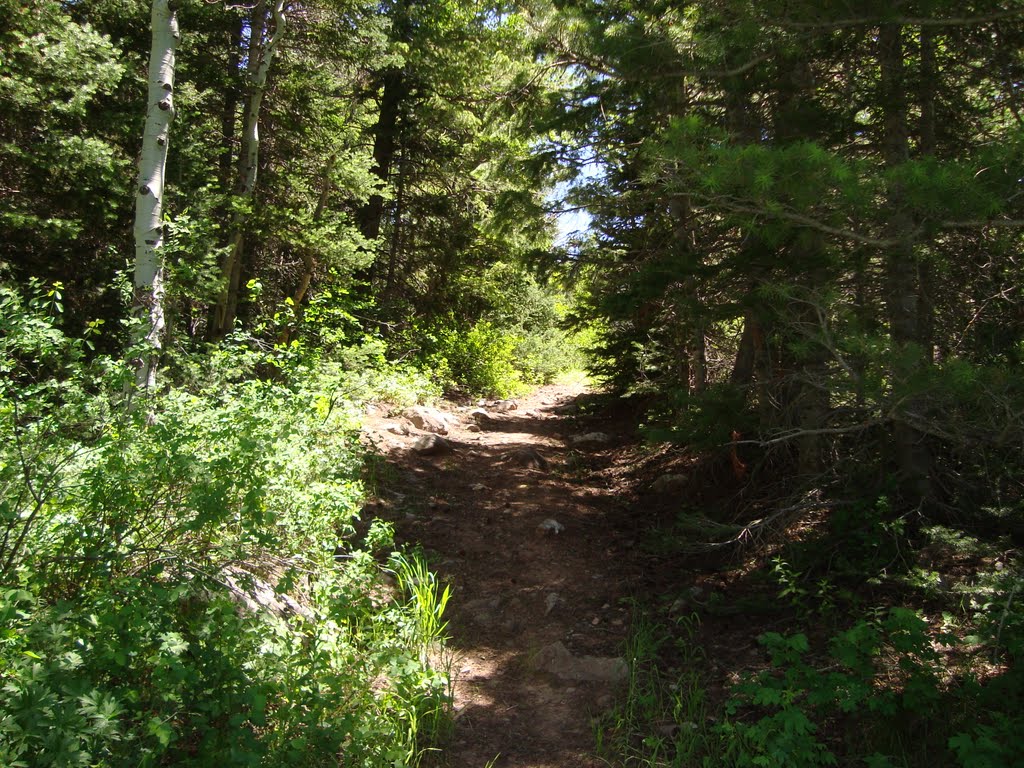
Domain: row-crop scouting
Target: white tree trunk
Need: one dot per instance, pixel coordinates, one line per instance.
(149, 193)
(261, 54)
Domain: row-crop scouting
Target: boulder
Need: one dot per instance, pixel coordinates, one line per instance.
(427, 419)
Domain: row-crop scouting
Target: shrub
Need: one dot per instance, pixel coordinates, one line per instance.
(174, 592)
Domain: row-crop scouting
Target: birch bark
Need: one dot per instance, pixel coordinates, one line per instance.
(149, 195)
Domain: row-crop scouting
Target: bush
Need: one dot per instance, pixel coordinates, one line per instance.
(481, 359)
(181, 587)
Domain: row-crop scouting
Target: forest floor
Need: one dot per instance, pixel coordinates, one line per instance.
(534, 528)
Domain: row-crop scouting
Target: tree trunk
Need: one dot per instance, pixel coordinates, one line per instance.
(385, 145)
(927, 137)
(386, 140)
(397, 231)
(262, 47)
(692, 315)
(149, 196)
(902, 273)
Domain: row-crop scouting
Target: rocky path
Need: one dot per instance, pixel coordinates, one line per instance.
(518, 507)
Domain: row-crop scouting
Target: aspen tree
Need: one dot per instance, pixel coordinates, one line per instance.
(149, 193)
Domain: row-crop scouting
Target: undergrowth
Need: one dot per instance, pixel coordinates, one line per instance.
(181, 583)
(879, 648)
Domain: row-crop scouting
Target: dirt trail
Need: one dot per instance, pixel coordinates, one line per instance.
(522, 700)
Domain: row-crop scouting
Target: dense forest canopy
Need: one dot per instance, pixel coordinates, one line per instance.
(223, 226)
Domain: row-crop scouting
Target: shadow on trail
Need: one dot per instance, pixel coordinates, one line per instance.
(531, 601)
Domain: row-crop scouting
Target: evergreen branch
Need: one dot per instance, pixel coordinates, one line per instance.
(983, 223)
(808, 221)
(910, 21)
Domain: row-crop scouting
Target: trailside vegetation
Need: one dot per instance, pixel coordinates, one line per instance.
(225, 227)
(803, 266)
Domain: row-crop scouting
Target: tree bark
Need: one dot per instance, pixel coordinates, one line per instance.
(385, 146)
(927, 145)
(265, 37)
(913, 457)
(397, 231)
(692, 315)
(148, 281)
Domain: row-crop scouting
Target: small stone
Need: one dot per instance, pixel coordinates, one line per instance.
(473, 428)
(479, 415)
(526, 457)
(669, 484)
(551, 602)
(485, 611)
(397, 429)
(551, 526)
(477, 487)
(504, 406)
(432, 445)
(558, 661)
(590, 440)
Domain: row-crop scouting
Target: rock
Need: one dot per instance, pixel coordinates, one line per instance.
(550, 526)
(692, 597)
(397, 429)
(485, 611)
(558, 661)
(258, 596)
(428, 419)
(432, 445)
(477, 487)
(504, 406)
(667, 484)
(590, 440)
(526, 457)
(473, 428)
(551, 602)
(479, 415)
